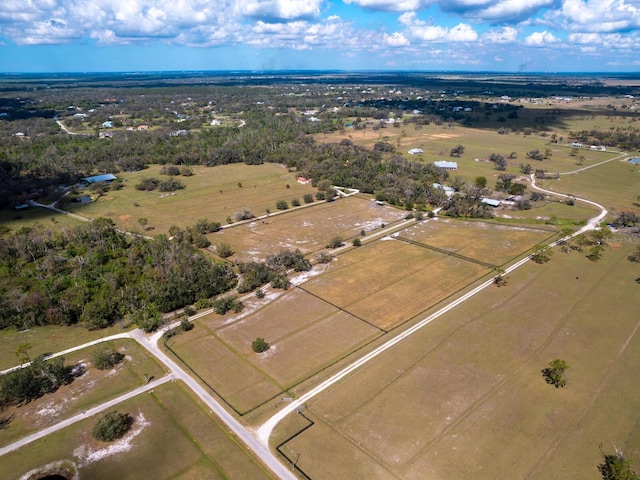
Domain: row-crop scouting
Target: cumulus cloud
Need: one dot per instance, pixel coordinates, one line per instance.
(396, 39)
(392, 5)
(605, 16)
(281, 9)
(505, 11)
(426, 32)
(500, 35)
(540, 39)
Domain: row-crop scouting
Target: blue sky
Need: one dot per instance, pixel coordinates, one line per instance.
(473, 35)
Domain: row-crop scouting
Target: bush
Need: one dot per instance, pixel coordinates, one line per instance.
(280, 281)
(224, 250)
(282, 205)
(335, 242)
(295, 202)
(106, 358)
(323, 257)
(357, 242)
(170, 170)
(307, 198)
(245, 214)
(226, 304)
(259, 345)
(112, 426)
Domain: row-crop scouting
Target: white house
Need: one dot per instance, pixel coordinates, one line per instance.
(415, 151)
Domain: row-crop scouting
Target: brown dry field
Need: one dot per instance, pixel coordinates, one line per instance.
(305, 334)
(388, 282)
(464, 397)
(308, 229)
(486, 242)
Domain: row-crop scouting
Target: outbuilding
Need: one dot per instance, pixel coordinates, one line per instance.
(107, 177)
(446, 165)
(634, 161)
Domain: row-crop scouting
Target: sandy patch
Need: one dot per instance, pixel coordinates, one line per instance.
(124, 218)
(87, 455)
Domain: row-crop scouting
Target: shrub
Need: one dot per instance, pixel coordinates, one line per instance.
(170, 170)
(295, 202)
(226, 304)
(112, 426)
(245, 214)
(323, 257)
(280, 281)
(335, 242)
(106, 358)
(282, 205)
(224, 250)
(357, 242)
(259, 345)
(307, 198)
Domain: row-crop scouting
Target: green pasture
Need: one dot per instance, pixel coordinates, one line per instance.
(212, 192)
(464, 396)
(33, 216)
(615, 185)
(305, 335)
(92, 388)
(176, 439)
(46, 340)
(308, 229)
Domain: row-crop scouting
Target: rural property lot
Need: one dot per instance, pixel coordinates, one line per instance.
(388, 282)
(90, 389)
(485, 242)
(212, 192)
(172, 437)
(308, 229)
(464, 397)
(305, 333)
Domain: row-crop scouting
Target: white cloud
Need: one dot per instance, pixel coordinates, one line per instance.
(281, 9)
(392, 5)
(540, 39)
(396, 39)
(607, 16)
(500, 35)
(426, 32)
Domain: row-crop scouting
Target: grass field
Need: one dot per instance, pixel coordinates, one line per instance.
(486, 242)
(305, 335)
(46, 339)
(212, 193)
(388, 282)
(614, 185)
(464, 397)
(174, 438)
(309, 229)
(91, 389)
(29, 217)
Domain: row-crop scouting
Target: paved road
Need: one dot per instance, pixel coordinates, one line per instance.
(259, 449)
(86, 414)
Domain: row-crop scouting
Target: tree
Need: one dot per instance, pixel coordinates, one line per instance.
(295, 202)
(616, 467)
(307, 198)
(224, 250)
(143, 221)
(541, 254)
(480, 182)
(111, 426)
(499, 161)
(357, 242)
(554, 373)
(336, 242)
(22, 352)
(282, 205)
(105, 358)
(259, 345)
(456, 151)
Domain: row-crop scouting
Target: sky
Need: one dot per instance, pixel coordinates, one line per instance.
(41, 36)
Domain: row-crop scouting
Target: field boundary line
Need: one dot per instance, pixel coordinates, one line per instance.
(446, 252)
(342, 309)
